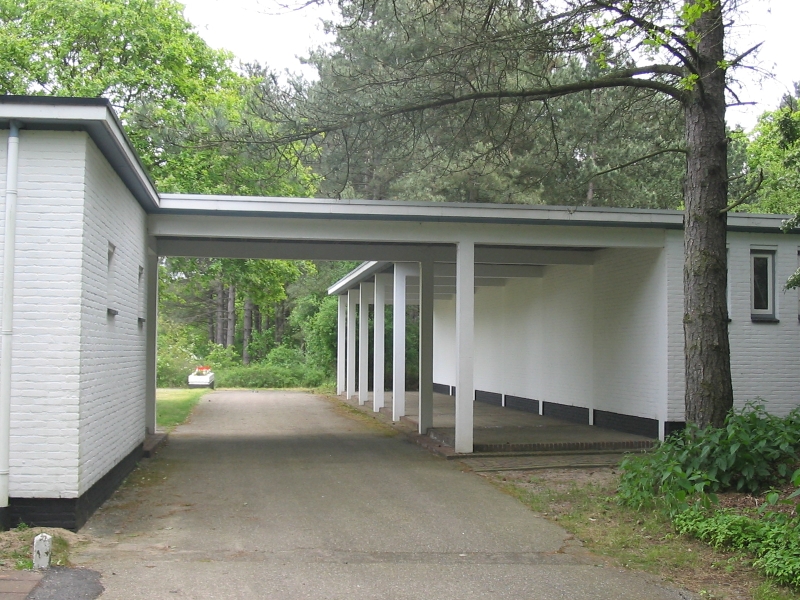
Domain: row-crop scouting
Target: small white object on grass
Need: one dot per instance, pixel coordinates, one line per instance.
(42, 545)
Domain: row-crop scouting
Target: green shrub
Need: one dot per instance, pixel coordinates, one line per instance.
(774, 538)
(752, 452)
(284, 367)
(175, 359)
(220, 357)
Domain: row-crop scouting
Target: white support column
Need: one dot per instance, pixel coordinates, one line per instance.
(382, 281)
(367, 290)
(425, 346)
(151, 339)
(341, 346)
(465, 337)
(352, 301)
(401, 271)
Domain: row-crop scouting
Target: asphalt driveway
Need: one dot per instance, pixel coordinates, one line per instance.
(286, 495)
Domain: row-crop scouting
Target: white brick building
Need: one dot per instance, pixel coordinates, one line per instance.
(576, 313)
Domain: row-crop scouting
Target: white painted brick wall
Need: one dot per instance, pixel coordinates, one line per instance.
(112, 380)
(567, 371)
(46, 344)
(444, 341)
(676, 375)
(523, 339)
(765, 357)
(489, 339)
(630, 332)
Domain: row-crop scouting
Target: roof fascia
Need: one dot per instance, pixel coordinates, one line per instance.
(97, 118)
(360, 273)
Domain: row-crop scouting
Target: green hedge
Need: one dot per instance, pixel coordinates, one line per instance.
(266, 375)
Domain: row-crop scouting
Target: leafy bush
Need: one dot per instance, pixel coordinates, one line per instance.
(321, 333)
(774, 539)
(175, 359)
(753, 451)
(266, 375)
(284, 367)
(221, 357)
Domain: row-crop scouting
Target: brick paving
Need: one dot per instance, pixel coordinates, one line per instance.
(16, 585)
(482, 464)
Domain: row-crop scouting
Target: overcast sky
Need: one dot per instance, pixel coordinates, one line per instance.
(260, 30)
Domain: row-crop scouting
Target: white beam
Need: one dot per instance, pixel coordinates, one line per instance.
(352, 302)
(426, 347)
(465, 337)
(448, 271)
(367, 290)
(341, 345)
(382, 281)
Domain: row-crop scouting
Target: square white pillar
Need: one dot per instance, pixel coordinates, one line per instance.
(382, 281)
(352, 302)
(401, 271)
(151, 340)
(425, 346)
(341, 345)
(465, 339)
(367, 291)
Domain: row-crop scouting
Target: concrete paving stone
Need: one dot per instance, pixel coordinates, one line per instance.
(281, 495)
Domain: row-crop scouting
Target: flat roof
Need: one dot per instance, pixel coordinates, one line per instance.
(96, 116)
(400, 210)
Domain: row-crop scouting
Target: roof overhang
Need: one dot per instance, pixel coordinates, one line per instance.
(97, 118)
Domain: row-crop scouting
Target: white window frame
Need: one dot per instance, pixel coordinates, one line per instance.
(769, 313)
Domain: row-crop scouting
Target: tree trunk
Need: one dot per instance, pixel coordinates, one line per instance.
(219, 339)
(231, 316)
(211, 316)
(709, 392)
(280, 319)
(247, 329)
(257, 318)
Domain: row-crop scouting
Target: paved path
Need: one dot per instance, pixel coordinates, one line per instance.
(283, 495)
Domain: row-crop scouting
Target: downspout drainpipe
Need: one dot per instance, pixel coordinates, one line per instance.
(7, 317)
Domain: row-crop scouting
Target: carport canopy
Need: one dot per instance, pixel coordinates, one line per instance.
(436, 249)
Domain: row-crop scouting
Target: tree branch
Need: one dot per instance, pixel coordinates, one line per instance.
(621, 78)
(750, 193)
(636, 160)
(735, 62)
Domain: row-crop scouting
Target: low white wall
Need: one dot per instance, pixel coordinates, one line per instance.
(444, 341)
(630, 332)
(112, 380)
(489, 339)
(593, 336)
(523, 359)
(47, 309)
(533, 337)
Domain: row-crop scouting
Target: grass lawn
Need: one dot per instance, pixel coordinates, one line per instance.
(582, 501)
(173, 405)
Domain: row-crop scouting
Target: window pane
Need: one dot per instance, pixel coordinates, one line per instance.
(760, 283)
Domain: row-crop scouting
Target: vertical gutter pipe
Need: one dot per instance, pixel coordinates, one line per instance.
(7, 317)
